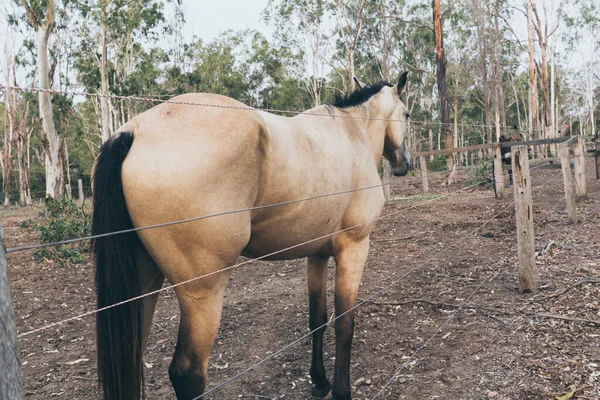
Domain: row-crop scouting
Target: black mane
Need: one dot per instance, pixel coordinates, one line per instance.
(359, 96)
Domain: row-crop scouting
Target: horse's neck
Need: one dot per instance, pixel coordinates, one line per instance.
(356, 121)
(359, 120)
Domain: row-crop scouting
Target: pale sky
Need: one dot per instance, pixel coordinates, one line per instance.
(206, 18)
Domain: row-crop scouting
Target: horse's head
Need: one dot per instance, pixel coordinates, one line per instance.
(387, 120)
(395, 147)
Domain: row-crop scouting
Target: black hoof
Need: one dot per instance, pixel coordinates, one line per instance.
(321, 392)
(348, 397)
(337, 396)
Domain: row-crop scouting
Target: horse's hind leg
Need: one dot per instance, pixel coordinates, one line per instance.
(201, 303)
(350, 262)
(316, 273)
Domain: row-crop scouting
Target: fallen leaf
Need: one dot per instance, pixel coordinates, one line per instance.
(221, 366)
(570, 394)
(77, 361)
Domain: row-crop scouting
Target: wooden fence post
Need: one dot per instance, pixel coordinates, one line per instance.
(423, 164)
(499, 173)
(387, 171)
(565, 163)
(597, 155)
(10, 377)
(524, 218)
(80, 188)
(579, 161)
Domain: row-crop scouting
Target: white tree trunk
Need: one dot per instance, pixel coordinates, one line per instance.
(533, 109)
(51, 140)
(590, 90)
(553, 112)
(104, 110)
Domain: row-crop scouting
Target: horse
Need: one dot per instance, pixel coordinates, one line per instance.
(177, 161)
(506, 153)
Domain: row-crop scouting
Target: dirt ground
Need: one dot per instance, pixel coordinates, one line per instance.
(500, 345)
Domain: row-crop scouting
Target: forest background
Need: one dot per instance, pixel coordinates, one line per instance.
(477, 69)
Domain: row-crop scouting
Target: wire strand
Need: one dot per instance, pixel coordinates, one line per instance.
(155, 100)
(206, 216)
(235, 266)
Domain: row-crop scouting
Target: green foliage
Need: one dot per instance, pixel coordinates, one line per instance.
(481, 174)
(62, 219)
(148, 56)
(27, 224)
(438, 163)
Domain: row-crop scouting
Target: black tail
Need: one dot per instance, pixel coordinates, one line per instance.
(118, 329)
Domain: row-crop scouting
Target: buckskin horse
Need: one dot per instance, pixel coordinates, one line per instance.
(177, 161)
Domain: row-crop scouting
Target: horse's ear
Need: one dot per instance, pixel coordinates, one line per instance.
(401, 82)
(358, 83)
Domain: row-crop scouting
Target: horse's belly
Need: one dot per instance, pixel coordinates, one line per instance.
(285, 239)
(285, 251)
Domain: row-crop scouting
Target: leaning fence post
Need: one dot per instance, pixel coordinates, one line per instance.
(524, 218)
(423, 164)
(498, 173)
(563, 151)
(579, 161)
(597, 155)
(10, 378)
(387, 171)
(80, 188)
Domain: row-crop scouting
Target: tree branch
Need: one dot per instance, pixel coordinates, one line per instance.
(30, 15)
(513, 32)
(448, 10)
(50, 14)
(565, 290)
(413, 23)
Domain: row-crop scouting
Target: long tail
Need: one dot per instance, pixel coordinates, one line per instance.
(118, 329)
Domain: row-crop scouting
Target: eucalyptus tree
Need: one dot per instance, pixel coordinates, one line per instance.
(349, 19)
(440, 58)
(41, 17)
(302, 25)
(584, 30)
(544, 29)
(112, 42)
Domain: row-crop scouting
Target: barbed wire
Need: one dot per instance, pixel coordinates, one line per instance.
(186, 220)
(262, 361)
(155, 100)
(40, 194)
(206, 216)
(235, 266)
(191, 103)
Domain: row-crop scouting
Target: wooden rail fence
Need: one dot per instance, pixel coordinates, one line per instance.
(574, 187)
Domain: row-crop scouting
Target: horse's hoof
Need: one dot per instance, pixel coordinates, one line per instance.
(342, 396)
(347, 397)
(321, 392)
